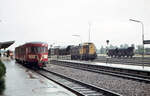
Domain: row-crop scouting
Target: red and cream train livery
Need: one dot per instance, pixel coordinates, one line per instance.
(33, 54)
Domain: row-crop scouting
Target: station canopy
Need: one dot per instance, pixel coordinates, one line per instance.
(4, 45)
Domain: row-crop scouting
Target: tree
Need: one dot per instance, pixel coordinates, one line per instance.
(2, 74)
(102, 50)
(139, 49)
(121, 46)
(132, 45)
(147, 51)
(125, 46)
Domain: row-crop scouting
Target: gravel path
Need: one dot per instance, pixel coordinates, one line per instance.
(116, 84)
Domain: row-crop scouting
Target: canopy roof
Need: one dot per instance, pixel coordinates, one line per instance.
(4, 45)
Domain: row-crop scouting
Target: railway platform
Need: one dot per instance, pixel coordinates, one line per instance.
(125, 66)
(121, 66)
(21, 81)
(130, 71)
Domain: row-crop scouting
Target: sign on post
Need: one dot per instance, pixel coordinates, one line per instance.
(146, 42)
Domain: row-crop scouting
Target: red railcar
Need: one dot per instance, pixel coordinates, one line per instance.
(32, 53)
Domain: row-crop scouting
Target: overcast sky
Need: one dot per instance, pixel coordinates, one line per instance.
(55, 21)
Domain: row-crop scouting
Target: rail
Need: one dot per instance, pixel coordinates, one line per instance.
(78, 87)
(125, 73)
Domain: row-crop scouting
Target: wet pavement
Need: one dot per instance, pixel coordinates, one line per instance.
(22, 82)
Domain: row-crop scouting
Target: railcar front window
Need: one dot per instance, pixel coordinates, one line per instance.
(39, 49)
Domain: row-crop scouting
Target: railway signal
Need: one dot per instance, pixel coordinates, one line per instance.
(107, 41)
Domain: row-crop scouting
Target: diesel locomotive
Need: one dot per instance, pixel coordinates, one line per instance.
(32, 54)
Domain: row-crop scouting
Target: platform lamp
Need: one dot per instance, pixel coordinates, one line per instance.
(142, 35)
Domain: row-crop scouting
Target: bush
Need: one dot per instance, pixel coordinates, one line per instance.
(2, 74)
(2, 85)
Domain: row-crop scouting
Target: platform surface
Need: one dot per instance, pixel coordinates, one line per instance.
(22, 82)
(123, 66)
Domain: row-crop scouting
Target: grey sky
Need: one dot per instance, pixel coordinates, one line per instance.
(55, 21)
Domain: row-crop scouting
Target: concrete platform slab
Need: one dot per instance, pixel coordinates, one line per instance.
(123, 66)
(22, 82)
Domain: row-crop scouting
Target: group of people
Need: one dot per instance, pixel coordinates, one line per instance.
(8, 53)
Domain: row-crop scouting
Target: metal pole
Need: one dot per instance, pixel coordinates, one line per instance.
(142, 42)
(107, 58)
(142, 37)
(89, 30)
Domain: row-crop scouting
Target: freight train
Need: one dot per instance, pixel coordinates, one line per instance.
(85, 51)
(33, 54)
(121, 52)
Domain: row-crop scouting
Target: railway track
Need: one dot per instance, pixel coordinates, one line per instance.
(128, 74)
(78, 87)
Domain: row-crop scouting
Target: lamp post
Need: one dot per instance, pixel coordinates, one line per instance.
(89, 30)
(142, 35)
(107, 41)
(107, 58)
(79, 37)
(51, 45)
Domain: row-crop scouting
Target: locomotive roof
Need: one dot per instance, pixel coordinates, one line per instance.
(86, 43)
(62, 47)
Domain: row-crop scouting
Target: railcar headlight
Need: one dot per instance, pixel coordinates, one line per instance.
(32, 56)
(45, 56)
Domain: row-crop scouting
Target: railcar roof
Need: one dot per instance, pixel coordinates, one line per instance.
(36, 43)
(32, 43)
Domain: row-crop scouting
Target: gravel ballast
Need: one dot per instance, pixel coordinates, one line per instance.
(122, 86)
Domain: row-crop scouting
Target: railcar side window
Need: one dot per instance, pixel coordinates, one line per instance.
(32, 50)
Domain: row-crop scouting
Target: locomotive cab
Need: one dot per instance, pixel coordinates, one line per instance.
(38, 55)
(88, 51)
